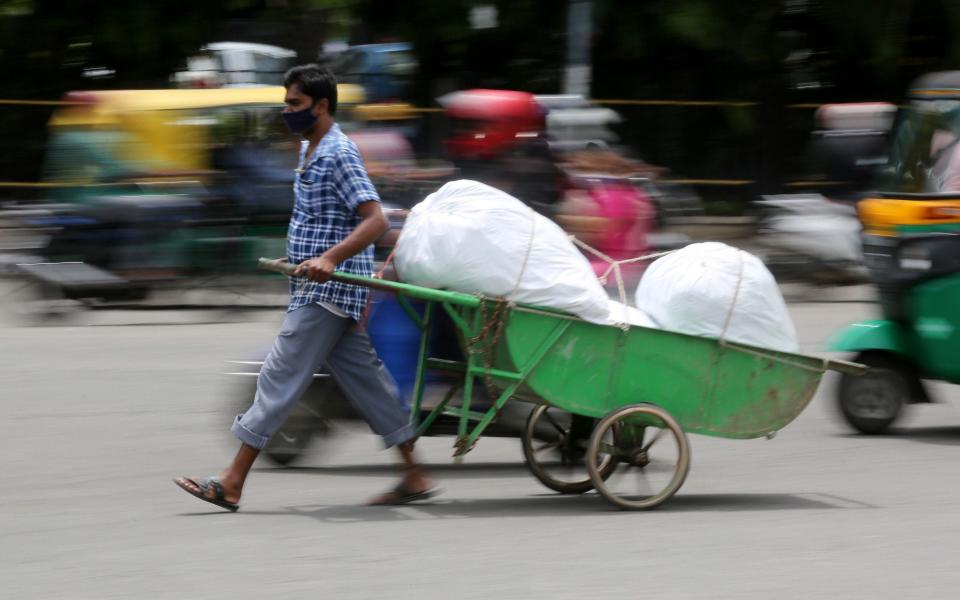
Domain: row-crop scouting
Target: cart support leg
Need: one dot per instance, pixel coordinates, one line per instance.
(464, 443)
(467, 397)
(437, 411)
(421, 363)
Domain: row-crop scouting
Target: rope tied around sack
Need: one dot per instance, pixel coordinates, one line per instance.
(733, 303)
(485, 342)
(526, 255)
(614, 265)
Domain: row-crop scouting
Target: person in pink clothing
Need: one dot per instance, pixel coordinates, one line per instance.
(605, 210)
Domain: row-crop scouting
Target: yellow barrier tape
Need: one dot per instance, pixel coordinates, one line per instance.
(815, 183)
(816, 105)
(719, 182)
(37, 103)
(612, 102)
(738, 104)
(45, 184)
(68, 184)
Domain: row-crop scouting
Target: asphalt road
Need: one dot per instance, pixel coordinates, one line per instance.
(99, 416)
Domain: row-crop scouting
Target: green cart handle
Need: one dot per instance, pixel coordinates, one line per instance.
(393, 287)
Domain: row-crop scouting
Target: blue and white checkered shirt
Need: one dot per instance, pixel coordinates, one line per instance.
(329, 187)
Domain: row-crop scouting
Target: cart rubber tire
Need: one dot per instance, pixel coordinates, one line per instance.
(873, 401)
(528, 440)
(288, 444)
(680, 471)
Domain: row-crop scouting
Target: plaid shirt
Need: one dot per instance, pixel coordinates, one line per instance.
(329, 187)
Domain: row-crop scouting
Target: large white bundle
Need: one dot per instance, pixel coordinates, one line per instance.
(473, 238)
(714, 290)
(624, 314)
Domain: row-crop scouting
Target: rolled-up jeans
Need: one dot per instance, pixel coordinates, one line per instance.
(311, 336)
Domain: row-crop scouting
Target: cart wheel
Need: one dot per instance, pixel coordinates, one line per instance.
(874, 400)
(652, 447)
(555, 445)
(289, 443)
(35, 303)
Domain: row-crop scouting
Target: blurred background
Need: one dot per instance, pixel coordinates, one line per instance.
(700, 106)
(141, 144)
(722, 93)
(144, 165)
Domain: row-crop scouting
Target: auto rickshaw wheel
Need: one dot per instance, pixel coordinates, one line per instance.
(555, 446)
(873, 401)
(652, 452)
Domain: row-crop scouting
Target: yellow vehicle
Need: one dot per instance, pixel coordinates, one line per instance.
(153, 187)
(105, 138)
(911, 245)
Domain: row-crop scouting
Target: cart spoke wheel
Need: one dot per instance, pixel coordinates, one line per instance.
(548, 417)
(551, 446)
(610, 449)
(654, 440)
(660, 465)
(555, 448)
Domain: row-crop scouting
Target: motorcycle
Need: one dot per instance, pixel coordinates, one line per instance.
(811, 239)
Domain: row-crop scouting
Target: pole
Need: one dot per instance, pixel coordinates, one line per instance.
(579, 30)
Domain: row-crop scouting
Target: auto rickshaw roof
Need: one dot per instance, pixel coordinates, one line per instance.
(933, 86)
(98, 107)
(174, 99)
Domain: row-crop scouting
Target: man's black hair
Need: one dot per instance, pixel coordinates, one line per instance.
(314, 81)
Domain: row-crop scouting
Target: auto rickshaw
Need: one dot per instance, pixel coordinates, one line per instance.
(911, 245)
(152, 188)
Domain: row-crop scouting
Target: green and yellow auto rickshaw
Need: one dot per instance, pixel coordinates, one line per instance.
(153, 188)
(911, 245)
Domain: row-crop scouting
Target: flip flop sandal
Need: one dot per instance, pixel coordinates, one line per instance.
(404, 495)
(203, 487)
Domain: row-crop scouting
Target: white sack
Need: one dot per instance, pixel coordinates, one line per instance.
(473, 238)
(693, 289)
(624, 314)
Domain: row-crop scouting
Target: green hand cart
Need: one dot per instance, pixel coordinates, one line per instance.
(646, 387)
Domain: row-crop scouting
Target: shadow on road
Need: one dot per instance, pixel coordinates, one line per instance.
(449, 470)
(949, 436)
(554, 505)
(945, 436)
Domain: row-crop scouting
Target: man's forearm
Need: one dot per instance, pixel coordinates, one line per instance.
(365, 234)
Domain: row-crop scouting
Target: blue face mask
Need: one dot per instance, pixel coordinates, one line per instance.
(301, 120)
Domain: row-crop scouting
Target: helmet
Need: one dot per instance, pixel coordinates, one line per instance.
(486, 124)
